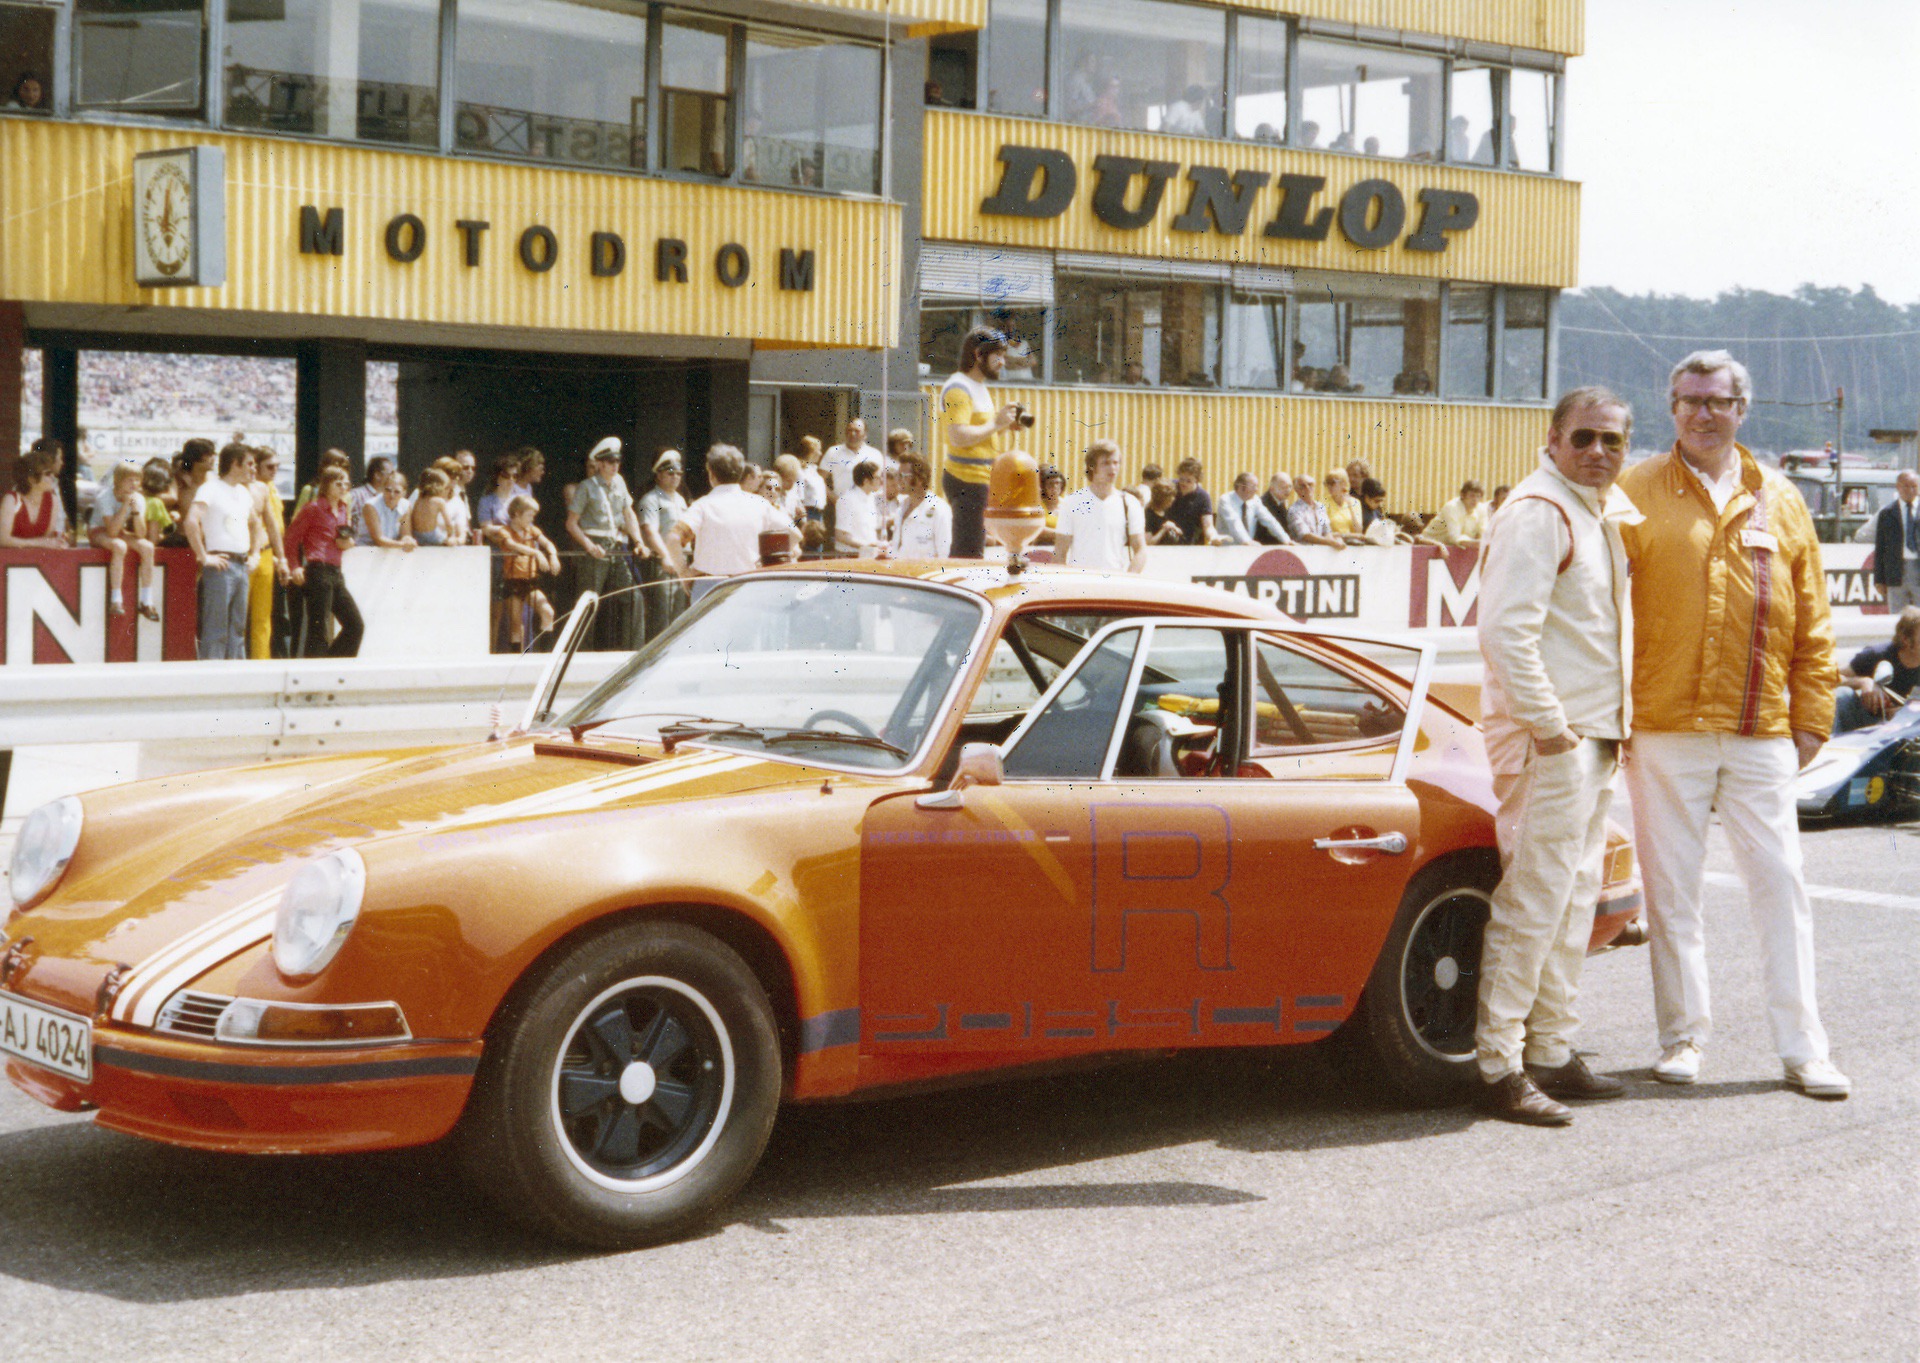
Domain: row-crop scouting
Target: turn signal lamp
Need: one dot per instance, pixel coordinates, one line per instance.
(309, 1024)
(1015, 512)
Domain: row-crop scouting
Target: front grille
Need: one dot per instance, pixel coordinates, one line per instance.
(191, 1014)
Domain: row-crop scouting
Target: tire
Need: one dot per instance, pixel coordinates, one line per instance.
(627, 1091)
(1416, 1017)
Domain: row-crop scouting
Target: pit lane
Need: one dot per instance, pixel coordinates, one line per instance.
(1241, 1205)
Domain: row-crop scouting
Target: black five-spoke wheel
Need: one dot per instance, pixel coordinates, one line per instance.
(627, 1088)
(644, 1078)
(1416, 1017)
(1440, 973)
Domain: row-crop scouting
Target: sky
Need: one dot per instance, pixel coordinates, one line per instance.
(1748, 143)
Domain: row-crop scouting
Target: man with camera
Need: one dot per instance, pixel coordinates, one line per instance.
(973, 433)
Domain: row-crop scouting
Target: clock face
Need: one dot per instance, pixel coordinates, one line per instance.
(166, 218)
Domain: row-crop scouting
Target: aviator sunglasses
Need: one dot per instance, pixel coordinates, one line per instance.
(1613, 442)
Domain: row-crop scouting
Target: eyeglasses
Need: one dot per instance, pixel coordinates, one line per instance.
(1719, 406)
(1613, 442)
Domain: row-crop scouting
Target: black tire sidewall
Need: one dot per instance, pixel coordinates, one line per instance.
(519, 1157)
(1412, 1071)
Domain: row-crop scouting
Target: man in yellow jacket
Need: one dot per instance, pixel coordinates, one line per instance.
(1733, 681)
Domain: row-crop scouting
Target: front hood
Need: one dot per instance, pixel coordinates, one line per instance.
(202, 891)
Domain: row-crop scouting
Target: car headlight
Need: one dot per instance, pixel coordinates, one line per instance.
(42, 851)
(319, 909)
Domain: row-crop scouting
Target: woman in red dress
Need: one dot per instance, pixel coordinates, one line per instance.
(28, 517)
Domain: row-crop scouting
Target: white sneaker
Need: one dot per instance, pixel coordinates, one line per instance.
(1819, 1079)
(1679, 1064)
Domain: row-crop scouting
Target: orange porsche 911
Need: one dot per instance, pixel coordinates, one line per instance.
(836, 830)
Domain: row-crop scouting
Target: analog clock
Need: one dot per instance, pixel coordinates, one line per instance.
(166, 218)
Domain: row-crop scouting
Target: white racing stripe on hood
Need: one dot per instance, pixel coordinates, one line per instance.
(249, 932)
(140, 980)
(155, 980)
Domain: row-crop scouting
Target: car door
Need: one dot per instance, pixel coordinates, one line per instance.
(1142, 877)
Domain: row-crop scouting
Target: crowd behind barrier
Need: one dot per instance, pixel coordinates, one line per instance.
(201, 556)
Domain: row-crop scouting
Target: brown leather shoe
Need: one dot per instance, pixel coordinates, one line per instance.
(1575, 1080)
(1515, 1098)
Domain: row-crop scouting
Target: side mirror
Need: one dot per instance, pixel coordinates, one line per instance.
(980, 765)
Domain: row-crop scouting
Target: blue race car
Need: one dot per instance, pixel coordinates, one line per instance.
(1870, 774)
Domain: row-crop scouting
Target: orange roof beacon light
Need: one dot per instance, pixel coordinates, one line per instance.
(1015, 513)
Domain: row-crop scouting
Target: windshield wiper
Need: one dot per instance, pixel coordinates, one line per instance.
(673, 735)
(588, 726)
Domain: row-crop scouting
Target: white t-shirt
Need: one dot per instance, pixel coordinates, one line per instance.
(1101, 528)
(856, 523)
(1719, 490)
(224, 524)
(838, 464)
(727, 524)
(460, 515)
(926, 531)
(813, 489)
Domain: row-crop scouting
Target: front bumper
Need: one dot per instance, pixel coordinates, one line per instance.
(265, 1100)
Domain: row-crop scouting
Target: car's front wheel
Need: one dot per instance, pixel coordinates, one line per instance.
(1418, 1013)
(628, 1091)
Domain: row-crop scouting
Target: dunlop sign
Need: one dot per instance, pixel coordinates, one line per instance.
(1040, 182)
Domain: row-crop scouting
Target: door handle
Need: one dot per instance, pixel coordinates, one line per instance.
(1394, 843)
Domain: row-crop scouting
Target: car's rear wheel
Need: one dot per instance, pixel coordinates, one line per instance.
(1418, 1013)
(628, 1091)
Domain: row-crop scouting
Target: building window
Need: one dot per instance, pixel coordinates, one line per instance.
(953, 64)
(1470, 120)
(1017, 57)
(1374, 100)
(813, 113)
(1530, 101)
(1260, 79)
(696, 94)
(26, 59)
(1469, 368)
(944, 324)
(1523, 346)
(1175, 83)
(1363, 334)
(1257, 345)
(140, 55)
(552, 81)
(366, 70)
(1136, 333)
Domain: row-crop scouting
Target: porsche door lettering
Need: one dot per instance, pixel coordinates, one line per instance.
(1162, 862)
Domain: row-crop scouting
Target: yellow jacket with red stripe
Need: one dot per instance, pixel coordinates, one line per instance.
(1704, 659)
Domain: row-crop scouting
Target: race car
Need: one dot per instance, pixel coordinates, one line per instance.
(837, 830)
(1870, 774)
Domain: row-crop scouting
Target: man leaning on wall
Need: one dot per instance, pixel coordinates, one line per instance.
(1732, 693)
(1555, 625)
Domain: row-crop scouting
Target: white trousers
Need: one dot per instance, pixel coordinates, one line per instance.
(1676, 780)
(1552, 827)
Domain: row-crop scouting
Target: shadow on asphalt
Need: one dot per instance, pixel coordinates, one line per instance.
(87, 1210)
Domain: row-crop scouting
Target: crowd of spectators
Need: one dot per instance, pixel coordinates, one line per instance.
(271, 582)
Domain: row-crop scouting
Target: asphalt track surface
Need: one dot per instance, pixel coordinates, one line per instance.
(1247, 1205)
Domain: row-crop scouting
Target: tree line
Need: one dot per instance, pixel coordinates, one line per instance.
(1801, 347)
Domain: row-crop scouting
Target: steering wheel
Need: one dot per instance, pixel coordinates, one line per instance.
(853, 722)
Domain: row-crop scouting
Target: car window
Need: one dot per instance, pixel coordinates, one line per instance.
(1304, 705)
(1070, 736)
(1029, 655)
(1184, 709)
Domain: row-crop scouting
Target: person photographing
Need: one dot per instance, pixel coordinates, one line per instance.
(973, 433)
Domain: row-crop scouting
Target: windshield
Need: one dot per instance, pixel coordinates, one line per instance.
(853, 673)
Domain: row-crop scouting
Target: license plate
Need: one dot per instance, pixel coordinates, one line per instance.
(45, 1037)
